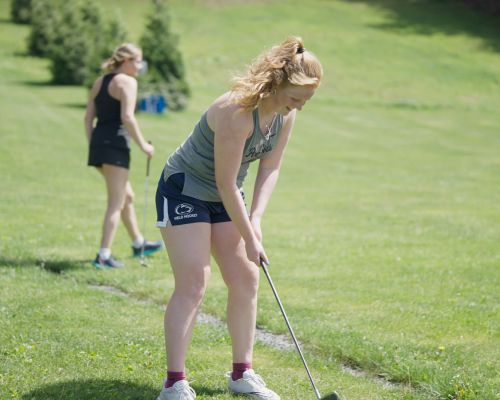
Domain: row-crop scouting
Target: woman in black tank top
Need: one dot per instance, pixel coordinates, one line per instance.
(111, 104)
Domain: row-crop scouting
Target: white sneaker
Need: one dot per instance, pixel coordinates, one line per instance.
(179, 391)
(251, 385)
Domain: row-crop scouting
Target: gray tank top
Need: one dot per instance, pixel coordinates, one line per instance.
(195, 157)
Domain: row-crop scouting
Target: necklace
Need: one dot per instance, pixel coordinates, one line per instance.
(269, 127)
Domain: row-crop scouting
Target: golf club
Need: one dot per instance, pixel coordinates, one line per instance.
(331, 396)
(146, 189)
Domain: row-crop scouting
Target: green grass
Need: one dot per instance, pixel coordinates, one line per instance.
(383, 231)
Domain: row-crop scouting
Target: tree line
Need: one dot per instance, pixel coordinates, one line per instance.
(76, 36)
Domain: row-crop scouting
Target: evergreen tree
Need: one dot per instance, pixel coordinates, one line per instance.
(166, 73)
(20, 11)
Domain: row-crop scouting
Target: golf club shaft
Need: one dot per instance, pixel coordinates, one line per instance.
(266, 272)
(146, 189)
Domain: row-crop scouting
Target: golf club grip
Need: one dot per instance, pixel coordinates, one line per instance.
(297, 346)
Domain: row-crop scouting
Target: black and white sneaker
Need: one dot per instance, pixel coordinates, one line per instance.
(101, 263)
(150, 247)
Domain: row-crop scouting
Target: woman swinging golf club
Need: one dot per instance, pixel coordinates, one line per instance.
(201, 208)
(112, 102)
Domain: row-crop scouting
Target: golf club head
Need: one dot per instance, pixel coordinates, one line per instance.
(144, 263)
(331, 396)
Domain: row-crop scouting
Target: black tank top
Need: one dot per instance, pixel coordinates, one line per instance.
(109, 130)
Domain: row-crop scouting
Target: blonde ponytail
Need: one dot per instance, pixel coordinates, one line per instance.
(126, 51)
(287, 62)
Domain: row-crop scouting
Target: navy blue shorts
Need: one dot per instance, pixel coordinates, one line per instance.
(178, 209)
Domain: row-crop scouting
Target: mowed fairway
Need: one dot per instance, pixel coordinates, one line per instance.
(383, 232)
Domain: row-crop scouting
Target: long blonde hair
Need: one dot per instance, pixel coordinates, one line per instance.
(125, 51)
(287, 62)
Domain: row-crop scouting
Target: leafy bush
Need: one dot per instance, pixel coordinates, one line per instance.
(166, 74)
(20, 11)
(44, 22)
(113, 35)
(106, 35)
(491, 6)
(70, 48)
(75, 37)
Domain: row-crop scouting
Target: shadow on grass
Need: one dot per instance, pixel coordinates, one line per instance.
(78, 106)
(429, 17)
(103, 390)
(93, 389)
(54, 266)
(203, 391)
(39, 83)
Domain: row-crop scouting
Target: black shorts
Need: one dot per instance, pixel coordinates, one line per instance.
(109, 155)
(177, 209)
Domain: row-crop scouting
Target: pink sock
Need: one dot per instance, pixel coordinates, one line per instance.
(174, 376)
(238, 369)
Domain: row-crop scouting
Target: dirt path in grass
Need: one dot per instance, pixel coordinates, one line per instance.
(279, 342)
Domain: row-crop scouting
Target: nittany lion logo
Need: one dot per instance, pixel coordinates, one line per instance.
(184, 208)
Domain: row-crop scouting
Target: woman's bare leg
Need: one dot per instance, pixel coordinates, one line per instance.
(242, 279)
(188, 248)
(128, 214)
(116, 179)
